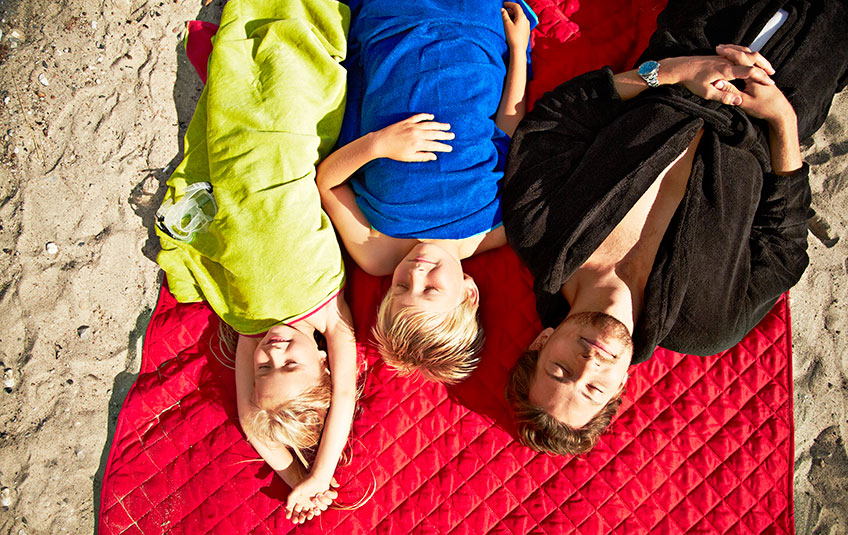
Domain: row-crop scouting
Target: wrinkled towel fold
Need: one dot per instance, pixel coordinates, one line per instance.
(272, 107)
(430, 56)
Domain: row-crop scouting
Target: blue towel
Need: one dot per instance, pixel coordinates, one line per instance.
(431, 56)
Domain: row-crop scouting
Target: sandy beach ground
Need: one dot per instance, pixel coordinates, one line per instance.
(95, 97)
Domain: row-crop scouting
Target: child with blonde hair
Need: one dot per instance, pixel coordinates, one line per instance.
(242, 228)
(418, 219)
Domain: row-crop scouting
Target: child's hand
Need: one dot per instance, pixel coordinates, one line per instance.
(412, 140)
(310, 498)
(516, 26)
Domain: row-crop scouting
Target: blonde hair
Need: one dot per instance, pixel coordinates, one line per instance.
(542, 432)
(443, 347)
(296, 423)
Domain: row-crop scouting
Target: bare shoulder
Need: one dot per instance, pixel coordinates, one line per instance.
(481, 243)
(380, 254)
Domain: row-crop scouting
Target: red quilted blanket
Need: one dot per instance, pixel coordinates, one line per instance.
(701, 445)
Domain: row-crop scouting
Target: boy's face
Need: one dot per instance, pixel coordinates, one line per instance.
(285, 364)
(430, 278)
(582, 365)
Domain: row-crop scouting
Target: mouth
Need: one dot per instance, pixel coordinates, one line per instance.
(601, 348)
(278, 340)
(422, 260)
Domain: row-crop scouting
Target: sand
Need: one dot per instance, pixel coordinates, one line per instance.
(94, 101)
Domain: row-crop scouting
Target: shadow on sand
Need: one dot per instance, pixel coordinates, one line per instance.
(145, 199)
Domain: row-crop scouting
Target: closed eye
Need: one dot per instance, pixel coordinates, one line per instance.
(561, 374)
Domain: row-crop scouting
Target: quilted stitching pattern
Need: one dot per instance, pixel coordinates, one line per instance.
(702, 445)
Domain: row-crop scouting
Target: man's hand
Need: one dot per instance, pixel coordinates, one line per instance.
(742, 55)
(516, 26)
(702, 74)
(763, 101)
(415, 139)
(767, 102)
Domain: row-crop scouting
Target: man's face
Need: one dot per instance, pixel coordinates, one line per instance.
(582, 365)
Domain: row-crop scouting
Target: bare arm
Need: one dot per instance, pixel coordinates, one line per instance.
(341, 348)
(700, 74)
(767, 102)
(411, 140)
(709, 77)
(279, 459)
(784, 146)
(513, 103)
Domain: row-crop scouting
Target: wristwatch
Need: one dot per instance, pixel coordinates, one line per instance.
(648, 71)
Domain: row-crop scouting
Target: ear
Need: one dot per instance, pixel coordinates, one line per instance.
(623, 383)
(324, 360)
(541, 339)
(471, 289)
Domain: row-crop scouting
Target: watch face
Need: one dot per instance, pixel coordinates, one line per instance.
(648, 67)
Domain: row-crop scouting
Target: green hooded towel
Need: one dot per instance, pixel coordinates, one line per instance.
(271, 109)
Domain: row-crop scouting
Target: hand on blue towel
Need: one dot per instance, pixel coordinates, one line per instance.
(516, 26)
(415, 139)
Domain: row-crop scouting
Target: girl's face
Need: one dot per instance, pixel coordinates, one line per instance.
(429, 278)
(285, 364)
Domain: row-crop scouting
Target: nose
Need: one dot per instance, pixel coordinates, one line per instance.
(583, 366)
(419, 274)
(275, 356)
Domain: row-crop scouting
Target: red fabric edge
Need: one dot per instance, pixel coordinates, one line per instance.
(790, 472)
(122, 422)
(198, 44)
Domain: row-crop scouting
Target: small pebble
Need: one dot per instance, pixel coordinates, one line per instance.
(9, 378)
(5, 497)
(16, 37)
(51, 248)
(42, 79)
(80, 453)
(6, 100)
(84, 331)
(94, 25)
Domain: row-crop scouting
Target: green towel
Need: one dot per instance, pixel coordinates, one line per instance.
(271, 109)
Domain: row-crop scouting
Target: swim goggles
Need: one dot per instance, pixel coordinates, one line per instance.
(191, 214)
